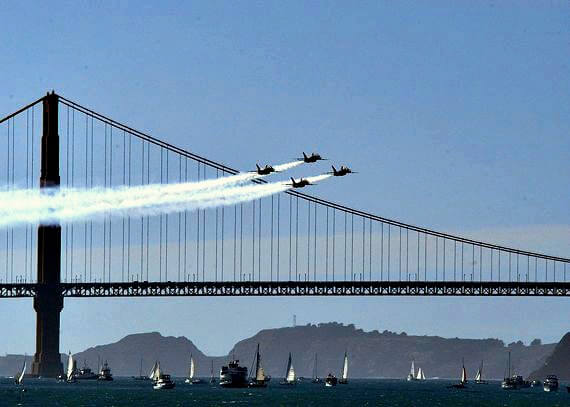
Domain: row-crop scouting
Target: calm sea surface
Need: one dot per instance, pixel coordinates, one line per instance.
(127, 392)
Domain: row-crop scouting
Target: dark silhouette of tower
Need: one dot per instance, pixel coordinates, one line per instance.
(48, 301)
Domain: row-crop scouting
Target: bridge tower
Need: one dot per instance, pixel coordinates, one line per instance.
(48, 301)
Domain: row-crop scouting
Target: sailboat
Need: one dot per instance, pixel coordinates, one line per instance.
(259, 379)
(161, 380)
(315, 377)
(141, 376)
(70, 376)
(344, 376)
(420, 375)
(20, 377)
(463, 383)
(191, 372)
(212, 377)
(289, 373)
(152, 375)
(479, 375)
(412, 374)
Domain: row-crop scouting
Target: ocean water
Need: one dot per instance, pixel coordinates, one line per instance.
(128, 392)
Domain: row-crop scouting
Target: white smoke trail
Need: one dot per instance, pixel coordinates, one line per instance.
(287, 166)
(61, 205)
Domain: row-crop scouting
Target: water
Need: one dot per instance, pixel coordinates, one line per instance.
(128, 392)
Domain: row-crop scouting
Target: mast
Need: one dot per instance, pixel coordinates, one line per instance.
(257, 361)
(315, 368)
(509, 375)
(212, 369)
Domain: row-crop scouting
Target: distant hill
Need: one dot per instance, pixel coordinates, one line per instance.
(557, 363)
(387, 354)
(124, 356)
(371, 354)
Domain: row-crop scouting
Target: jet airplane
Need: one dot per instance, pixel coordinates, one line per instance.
(299, 184)
(268, 169)
(313, 158)
(341, 172)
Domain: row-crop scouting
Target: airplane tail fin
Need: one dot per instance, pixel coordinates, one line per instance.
(334, 169)
(304, 155)
(257, 165)
(292, 180)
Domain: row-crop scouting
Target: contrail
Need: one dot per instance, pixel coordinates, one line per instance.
(287, 166)
(243, 177)
(52, 206)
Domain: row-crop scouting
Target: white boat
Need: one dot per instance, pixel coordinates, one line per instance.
(162, 381)
(19, 379)
(191, 373)
(463, 382)
(289, 373)
(344, 376)
(330, 380)
(412, 374)
(479, 375)
(316, 378)
(551, 383)
(420, 375)
(70, 375)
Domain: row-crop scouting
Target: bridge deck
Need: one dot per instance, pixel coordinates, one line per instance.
(292, 288)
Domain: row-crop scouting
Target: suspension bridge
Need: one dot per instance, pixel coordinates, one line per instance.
(287, 244)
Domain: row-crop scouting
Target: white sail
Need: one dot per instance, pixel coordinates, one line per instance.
(192, 368)
(463, 375)
(423, 375)
(478, 375)
(70, 365)
(291, 374)
(345, 367)
(152, 371)
(157, 371)
(20, 377)
(413, 370)
(419, 376)
(260, 376)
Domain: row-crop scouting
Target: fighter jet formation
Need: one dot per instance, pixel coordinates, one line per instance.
(303, 182)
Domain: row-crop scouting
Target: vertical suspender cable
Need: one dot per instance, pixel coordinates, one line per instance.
(278, 231)
(160, 225)
(297, 239)
(315, 248)
(290, 233)
(253, 238)
(123, 218)
(259, 244)
(327, 248)
(110, 186)
(166, 226)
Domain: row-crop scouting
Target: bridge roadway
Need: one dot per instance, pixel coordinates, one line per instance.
(295, 288)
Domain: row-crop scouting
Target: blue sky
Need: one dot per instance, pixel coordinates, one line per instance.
(456, 115)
